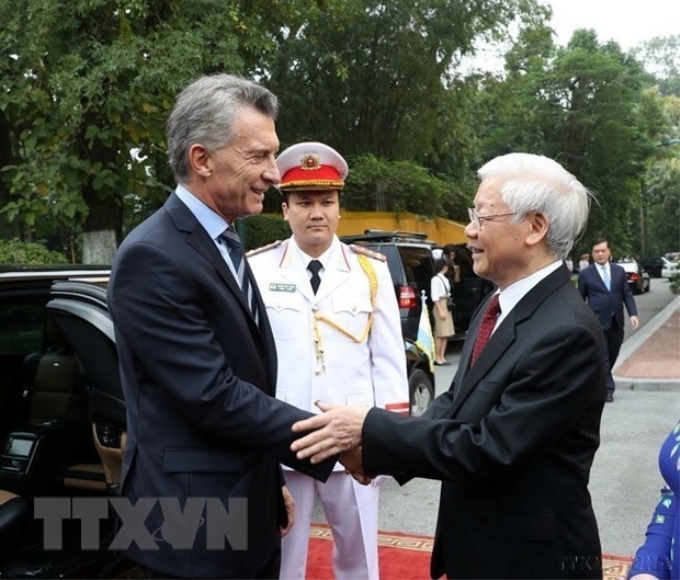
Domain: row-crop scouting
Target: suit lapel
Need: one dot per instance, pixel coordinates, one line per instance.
(504, 336)
(500, 341)
(598, 277)
(200, 241)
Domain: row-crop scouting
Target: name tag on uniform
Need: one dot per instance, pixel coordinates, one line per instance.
(278, 287)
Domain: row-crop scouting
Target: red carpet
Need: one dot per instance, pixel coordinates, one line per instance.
(407, 556)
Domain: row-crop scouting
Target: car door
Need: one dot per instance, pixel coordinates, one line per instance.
(80, 310)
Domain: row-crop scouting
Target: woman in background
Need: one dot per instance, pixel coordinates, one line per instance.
(440, 292)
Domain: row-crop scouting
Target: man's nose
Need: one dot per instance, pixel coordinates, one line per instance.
(271, 172)
(470, 230)
(317, 210)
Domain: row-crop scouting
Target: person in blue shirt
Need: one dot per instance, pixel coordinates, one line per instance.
(659, 557)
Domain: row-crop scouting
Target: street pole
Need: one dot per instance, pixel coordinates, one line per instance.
(643, 225)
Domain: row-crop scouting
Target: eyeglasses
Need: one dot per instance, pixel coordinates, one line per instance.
(478, 220)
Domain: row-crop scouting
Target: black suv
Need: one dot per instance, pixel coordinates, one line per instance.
(61, 429)
(468, 292)
(409, 257)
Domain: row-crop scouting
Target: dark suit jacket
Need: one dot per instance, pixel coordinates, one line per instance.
(199, 383)
(607, 304)
(513, 441)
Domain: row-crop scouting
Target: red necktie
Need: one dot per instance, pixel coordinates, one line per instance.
(486, 327)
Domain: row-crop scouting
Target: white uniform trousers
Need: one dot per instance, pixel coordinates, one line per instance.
(351, 510)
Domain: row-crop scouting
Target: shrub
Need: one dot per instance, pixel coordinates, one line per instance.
(260, 230)
(17, 252)
(674, 283)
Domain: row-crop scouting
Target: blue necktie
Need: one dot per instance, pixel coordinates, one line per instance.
(606, 278)
(233, 243)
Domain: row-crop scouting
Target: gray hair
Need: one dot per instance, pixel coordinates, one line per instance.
(537, 183)
(205, 112)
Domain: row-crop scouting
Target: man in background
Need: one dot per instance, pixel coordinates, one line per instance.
(604, 286)
(336, 324)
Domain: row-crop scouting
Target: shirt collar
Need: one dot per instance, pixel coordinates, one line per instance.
(213, 223)
(511, 296)
(306, 258)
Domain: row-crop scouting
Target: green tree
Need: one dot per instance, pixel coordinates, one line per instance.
(660, 57)
(582, 105)
(86, 90)
(377, 77)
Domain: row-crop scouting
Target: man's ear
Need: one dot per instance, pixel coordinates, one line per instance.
(538, 224)
(200, 161)
(284, 209)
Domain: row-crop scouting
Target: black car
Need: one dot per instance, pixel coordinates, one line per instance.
(409, 258)
(653, 266)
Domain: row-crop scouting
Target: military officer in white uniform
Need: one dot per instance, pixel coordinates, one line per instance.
(338, 339)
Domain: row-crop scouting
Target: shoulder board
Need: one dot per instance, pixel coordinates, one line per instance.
(357, 249)
(256, 251)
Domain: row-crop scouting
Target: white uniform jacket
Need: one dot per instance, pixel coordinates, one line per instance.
(316, 359)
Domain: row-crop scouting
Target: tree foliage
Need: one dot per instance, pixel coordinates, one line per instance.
(583, 105)
(377, 77)
(87, 87)
(661, 58)
(86, 91)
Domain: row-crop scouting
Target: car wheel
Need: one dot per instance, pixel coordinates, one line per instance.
(649, 283)
(421, 392)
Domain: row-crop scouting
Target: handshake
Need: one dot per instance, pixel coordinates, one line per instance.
(335, 431)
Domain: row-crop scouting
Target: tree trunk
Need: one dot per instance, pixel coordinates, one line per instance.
(99, 230)
(99, 247)
(104, 215)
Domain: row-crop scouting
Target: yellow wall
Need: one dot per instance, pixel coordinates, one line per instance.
(440, 230)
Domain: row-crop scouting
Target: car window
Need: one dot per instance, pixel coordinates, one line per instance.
(417, 261)
(463, 259)
(21, 328)
(393, 263)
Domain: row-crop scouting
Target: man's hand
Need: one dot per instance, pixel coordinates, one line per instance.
(289, 502)
(634, 321)
(336, 430)
(352, 460)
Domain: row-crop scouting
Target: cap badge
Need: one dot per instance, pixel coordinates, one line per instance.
(310, 162)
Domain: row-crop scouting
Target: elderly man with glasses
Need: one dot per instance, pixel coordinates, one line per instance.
(514, 437)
